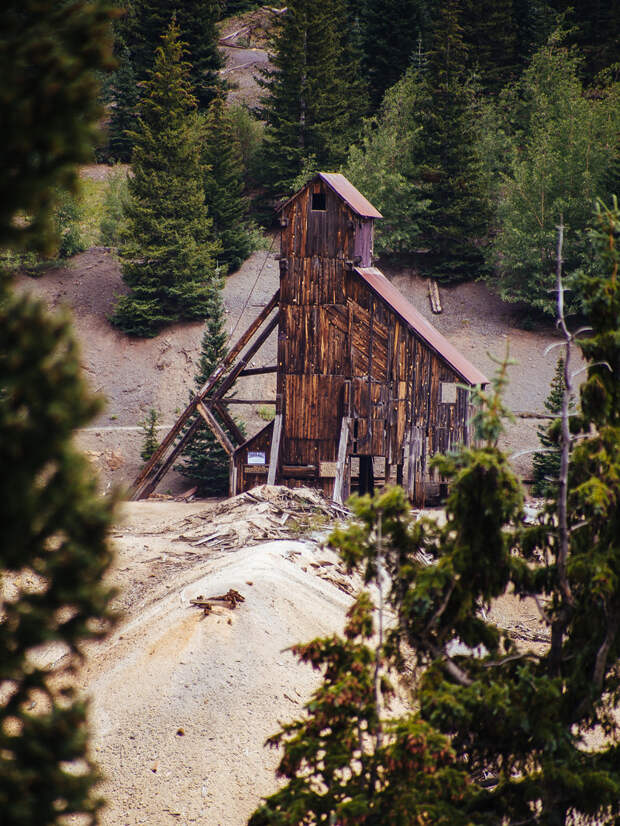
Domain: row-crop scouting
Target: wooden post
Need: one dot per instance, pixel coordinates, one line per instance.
(155, 468)
(342, 458)
(218, 431)
(274, 454)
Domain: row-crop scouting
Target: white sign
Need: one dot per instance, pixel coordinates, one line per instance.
(256, 458)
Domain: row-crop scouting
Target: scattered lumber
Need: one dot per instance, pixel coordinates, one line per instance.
(265, 513)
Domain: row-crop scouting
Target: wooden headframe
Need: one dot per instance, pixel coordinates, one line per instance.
(209, 405)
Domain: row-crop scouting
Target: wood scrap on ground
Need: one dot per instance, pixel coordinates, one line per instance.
(265, 513)
(231, 599)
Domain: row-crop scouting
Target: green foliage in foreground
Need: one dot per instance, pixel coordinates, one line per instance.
(168, 250)
(53, 554)
(50, 56)
(504, 731)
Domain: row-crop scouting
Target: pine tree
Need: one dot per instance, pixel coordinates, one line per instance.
(491, 34)
(205, 461)
(390, 34)
(196, 20)
(54, 548)
(546, 466)
(223, 185)
(458, 215)
(168, 254)
(149, 426)
(315, 98)
(123, 96)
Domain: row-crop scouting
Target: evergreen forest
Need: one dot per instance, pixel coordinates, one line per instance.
(477, 128)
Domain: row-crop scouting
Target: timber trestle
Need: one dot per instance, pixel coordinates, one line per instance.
(209, 406)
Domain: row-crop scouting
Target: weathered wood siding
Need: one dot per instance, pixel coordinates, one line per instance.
(344, 351)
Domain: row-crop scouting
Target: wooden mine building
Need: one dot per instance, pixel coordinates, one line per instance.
(366, 388)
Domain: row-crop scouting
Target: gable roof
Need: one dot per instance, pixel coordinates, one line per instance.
(423, 328)
(345, 190)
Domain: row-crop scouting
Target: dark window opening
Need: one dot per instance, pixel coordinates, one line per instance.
(318, 201)
(366, 482)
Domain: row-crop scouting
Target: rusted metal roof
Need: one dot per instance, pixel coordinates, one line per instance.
(350, 194)
(345, 190)
(423, 328)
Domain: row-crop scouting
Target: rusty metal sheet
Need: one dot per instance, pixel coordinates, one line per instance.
(423, 328)
(350, 194)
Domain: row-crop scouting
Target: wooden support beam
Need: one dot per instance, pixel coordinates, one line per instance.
(230, 423)
(342, 458)
(274, 454)
(218, 431)
(147, 486)
(259, 371)
(231, 378)
(238, 347)
(235, 400)
(159, 464)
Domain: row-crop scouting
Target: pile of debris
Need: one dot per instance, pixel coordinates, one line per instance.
(265, 513)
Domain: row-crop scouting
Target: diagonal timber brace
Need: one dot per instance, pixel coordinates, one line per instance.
(208, 404)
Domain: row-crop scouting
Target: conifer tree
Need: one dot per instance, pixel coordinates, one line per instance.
(546, 466)
(491, 34)
(196, 20)
(54, 548)
(205, 461)
(123, 96)
(314, 95)
(168, 253)
(149, 427)
(390, 34)
(50, 58)
(458, 214)
(223, 185)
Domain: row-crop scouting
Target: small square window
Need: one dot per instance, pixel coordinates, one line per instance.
(448, 392)
(318, 202)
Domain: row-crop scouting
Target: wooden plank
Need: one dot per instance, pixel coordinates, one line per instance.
(231, 378)
(141, 486)
(217, 430)
(235, 400)
(259, 371)
(230, 423)
(148, 485)
(274, 454)
(238, 347)
(341, 461)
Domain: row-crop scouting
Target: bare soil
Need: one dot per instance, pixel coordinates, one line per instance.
(135, 375)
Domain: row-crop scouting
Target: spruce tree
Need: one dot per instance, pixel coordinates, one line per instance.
(223, 185)
(196, 20)
(390, 34)
(491, 34)
(168, 252)
(123, 96)
(458, 214)
(546, 465)
(314, 95)
(205, 461)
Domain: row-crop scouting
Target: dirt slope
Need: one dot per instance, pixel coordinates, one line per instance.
(182, 703)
